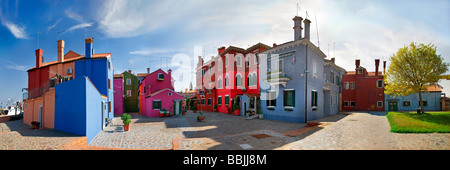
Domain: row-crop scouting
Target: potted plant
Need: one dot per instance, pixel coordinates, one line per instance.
(261, 116)
(35, 124)
(215, 108)
(194, 107)
(162, 113)
(126, 119)
(201, 117)
(237, 109)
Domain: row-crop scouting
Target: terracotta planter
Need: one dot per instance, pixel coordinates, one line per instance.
(126, 127)
(201, 119)
(237, 112)
(184, 113)
(195, 111)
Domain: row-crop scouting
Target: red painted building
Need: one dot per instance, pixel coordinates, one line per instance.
(233, 72)
(363, 90)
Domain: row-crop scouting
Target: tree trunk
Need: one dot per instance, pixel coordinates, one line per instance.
(421, 102)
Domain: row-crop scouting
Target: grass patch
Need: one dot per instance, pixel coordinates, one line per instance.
(411, 122)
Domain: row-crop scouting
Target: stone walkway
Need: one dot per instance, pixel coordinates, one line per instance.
(228, 132)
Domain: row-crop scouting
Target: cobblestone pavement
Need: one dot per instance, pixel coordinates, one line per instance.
(228, 132)
(15, 135)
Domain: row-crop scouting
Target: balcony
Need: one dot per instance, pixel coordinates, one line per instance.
(277, 78)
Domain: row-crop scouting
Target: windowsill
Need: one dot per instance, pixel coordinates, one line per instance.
(314, 108)
(270, 108)
(288, 108)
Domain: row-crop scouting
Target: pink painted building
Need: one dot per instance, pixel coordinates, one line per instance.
(157, 93)
(118, 94)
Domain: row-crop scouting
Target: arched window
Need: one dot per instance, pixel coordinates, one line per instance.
(238, 80)
(219, 83)
(227, 80)
(254, 77)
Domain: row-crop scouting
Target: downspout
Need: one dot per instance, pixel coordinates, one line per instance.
(306, 83)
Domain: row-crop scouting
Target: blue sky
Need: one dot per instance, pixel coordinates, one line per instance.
(172, 33)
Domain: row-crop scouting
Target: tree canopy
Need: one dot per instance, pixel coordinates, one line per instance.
(412, 69)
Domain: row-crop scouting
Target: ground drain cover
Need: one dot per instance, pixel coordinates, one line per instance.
(245, 146)
(260, 136)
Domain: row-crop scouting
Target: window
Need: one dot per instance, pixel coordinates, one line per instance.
(203, 72)
(109, 107)
(209, 102)
(289, 98)
(346, 85)
(379, 103)
(425, 103)
(109, 65)
(219, 100)
(109, 83)
(238, 61)
(160, 76)
(156, 104)
(331, 77)
(227, 80)
(220, 64)
(380, 83)
(314, 98)
(227, 100)
(69, 71)
(238, 80)
(352, 85)
(345, 104)
(226, 61)
(271, 99)
(336, 80)
(247, 61)
(128, 81)
(219, 83)
(128, 93)
(170, 94)
(407, 103)
(352, 104)
(280, 65)
(314, 68)
(256, 58)
(202, 101)
(360, 71)
(331, 100)
(209, 69)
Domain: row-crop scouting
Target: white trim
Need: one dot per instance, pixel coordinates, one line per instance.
(165, 90)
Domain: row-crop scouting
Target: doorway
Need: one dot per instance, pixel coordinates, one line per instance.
(392, 106)
(103, 114)
(40, 116)
(177, 107)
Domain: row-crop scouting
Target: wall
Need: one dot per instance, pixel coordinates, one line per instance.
(47, 101)
(118, 96)
(166, 102)
(94, 111)
(432, 98)
(70, 106)
(130, 103)
(297, 82)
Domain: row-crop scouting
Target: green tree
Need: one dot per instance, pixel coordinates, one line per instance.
(412, 69)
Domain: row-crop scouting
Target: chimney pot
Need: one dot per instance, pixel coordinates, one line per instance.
(60, 51)
(129, 71)
(357, 62)
(39, 58)
(169, 72)
(297, 28)
(89, 50)
(148, 70)
(307, 23)
(377, 64)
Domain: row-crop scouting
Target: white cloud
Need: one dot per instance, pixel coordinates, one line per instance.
(152, 51)
(54, 25)
(14, 66)
(16, 30)
(83, 25)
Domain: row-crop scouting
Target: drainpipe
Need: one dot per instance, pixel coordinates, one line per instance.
(306, 83)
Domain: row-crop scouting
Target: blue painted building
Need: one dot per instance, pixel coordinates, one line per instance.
(291, 78)
(83, 105)
(431, 100)
(332, 84)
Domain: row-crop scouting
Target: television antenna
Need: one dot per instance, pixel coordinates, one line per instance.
(317, 28)
(298, 8)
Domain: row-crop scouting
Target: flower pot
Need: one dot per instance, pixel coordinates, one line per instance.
(201, 119)
(195, 111)
(126, 127)
(184, 113)
(237, 112)
(161, 115)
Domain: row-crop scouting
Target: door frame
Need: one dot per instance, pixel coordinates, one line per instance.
(393, 108)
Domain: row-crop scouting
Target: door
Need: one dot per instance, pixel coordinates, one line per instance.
(177, 107)
(103, 114)
(392, 106)
(40, 116)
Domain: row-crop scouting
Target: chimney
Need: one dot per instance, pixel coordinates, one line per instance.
(332, 60)
(129, 71)
(61, 51)
(274, 45)
(169, 72)
(307, 30)
(39, 57)
(89, 50)
(377, 64)
(221, 49)
(148, 70)
(297, 28)
(357, 63)
(384, 67)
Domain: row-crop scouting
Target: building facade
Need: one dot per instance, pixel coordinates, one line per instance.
(431, 101)
(363, 90)
(130, 91)
(118, 94)
(291, 78)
